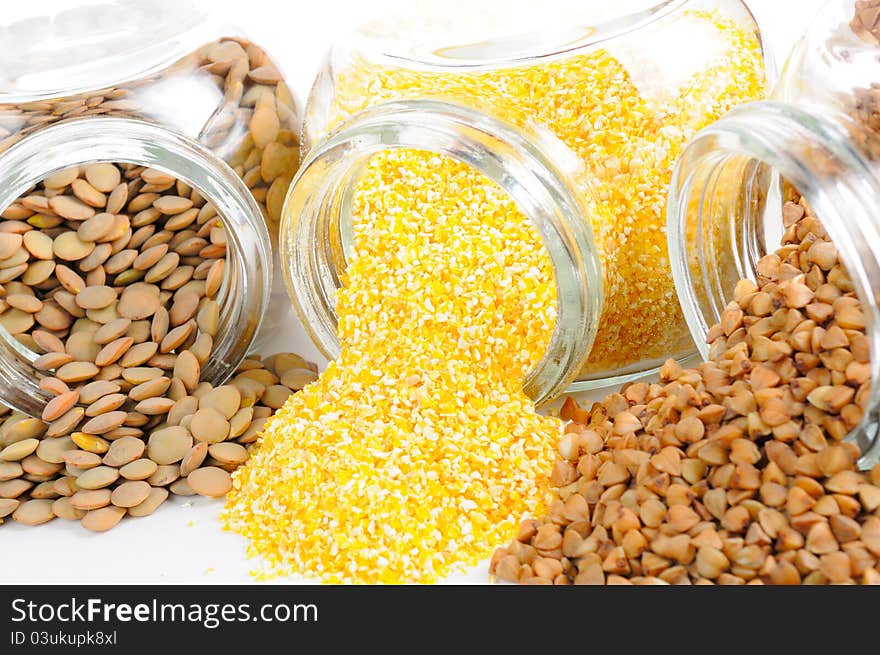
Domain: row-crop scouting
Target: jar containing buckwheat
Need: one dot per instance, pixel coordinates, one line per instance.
(817, 137)
(157, 87)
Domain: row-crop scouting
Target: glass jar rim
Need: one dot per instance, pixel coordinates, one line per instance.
(778, 134)
(315, 226)
(191, 26)
(125, 140)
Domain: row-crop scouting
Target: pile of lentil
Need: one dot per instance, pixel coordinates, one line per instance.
(112, 275)
(628, 134)
(416, 451)
(734, 472)
(254, 124)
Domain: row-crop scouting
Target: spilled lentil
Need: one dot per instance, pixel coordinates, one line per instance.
(734, 472)
(416, 451)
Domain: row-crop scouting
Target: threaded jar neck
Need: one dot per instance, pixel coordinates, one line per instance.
(724, 214)
(244, 296)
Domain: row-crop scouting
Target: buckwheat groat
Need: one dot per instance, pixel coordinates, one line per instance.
(734, 472)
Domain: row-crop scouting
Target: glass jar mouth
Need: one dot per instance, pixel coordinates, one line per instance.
(121, 140)
(734, 169)
(316, 219)
(436, 43)
(75, 54)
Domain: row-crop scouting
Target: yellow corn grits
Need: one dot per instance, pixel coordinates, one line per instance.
(416, 452)
(627, 140)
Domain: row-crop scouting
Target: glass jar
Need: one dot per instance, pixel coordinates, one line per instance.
(167, 62)
(817, 134)
(160, 85)
(577, 110)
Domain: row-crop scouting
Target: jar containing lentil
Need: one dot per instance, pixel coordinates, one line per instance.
(817, 136)
(577, 111)
(166, 62)
(105, 110)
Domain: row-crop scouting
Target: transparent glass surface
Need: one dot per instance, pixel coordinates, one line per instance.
(166, 62)
(160, 84)
(818, 133)
(620, 88)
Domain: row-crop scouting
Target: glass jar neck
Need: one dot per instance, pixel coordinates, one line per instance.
(316, 229)
(725, 205)
(244, 296)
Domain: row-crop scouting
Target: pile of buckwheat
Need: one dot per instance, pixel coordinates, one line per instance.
(733, 472)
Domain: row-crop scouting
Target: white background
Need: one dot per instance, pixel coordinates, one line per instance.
(182, 542)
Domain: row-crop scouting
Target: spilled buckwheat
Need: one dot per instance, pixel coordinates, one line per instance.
(734, 472)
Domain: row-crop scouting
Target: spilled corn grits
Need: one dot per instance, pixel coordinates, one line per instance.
(416, 452)
(627, 120)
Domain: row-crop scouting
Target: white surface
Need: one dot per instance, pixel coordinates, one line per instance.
(182, 542)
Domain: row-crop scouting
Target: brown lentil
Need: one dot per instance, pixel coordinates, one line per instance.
(87, 499)
(101, 520)
(34, 512)
(156, 497)
(113, 421)
(63, 508)
(129, 494)
(210, 481)
(139, 469)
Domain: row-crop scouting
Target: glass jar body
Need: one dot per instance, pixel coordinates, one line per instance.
(170, 64)
(617, 101)
(179, 109)
(816, 136)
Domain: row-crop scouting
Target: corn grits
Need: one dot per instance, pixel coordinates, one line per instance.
(416, 450)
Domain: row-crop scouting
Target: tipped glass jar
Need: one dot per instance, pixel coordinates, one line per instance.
(159, 85)
(578, 111)
(818, 135)
(168, 63)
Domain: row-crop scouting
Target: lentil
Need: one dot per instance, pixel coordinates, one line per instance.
(210, 481)
(103, 519)
(109, 429)
(34, 512)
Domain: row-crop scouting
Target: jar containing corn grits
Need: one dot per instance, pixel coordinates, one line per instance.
(576, 110)
(818, 135)
(157, 85)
